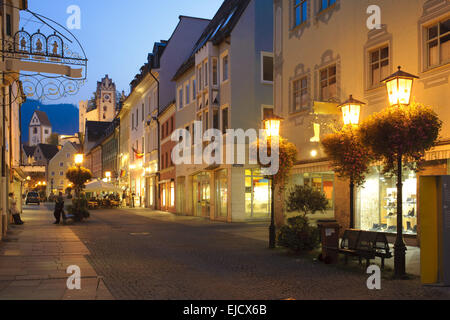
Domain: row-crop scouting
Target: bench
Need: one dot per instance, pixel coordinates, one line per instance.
(365, 245)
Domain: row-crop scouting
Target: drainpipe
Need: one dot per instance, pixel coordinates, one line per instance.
(158, 174)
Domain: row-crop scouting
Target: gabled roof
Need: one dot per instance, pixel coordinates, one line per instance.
(219, 28)
(43, 119)
(48, 150)
(29, 151)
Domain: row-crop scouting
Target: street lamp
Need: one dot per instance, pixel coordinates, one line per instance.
(399, 86)
(79, 158)
(272, 127)
(351, 112)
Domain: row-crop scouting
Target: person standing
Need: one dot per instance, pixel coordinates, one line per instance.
(59, 209)
(13, 210)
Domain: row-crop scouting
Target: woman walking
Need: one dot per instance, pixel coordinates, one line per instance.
(13, 210)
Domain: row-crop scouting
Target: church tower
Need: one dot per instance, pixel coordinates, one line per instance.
(102, 108)
(106, 100)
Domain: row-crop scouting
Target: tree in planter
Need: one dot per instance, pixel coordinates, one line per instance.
(298, 235)
(396, 136)
(350, 159)
(78, 176)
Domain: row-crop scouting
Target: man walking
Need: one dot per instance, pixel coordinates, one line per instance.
(59, 209)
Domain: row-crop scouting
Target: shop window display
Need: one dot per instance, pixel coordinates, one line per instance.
(377, 203)
(257, 194)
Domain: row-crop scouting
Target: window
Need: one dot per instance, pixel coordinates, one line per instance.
(53, 173)
(68, 155)
(267, 112)
(206, 121)
(379, 65)
(187, 92)
(180, 98)
(221, 178)
(105, 109)
(267, 67)
(438, 43)
(132, 121)
(61, 173)
(205, 66)
(215, 72)
(149, 104)
(194, 90)
(300, 94)
(216, 119)
(143, 112)
(300, 11)
(61, 164)
(199, 78)
(225, 120)
(328, 88)
(257, 194)
(324, 4)
(172, 194)
(35, 131)
(8, 25)
(225, 68)
(46, 131)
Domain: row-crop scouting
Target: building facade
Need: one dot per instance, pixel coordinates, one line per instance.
(39, 129)
(57, 168)
(167, 186)
(227, 83)
(324, 51)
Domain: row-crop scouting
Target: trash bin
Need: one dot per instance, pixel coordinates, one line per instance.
(329, 231)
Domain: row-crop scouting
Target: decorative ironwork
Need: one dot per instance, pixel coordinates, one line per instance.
(51, 45)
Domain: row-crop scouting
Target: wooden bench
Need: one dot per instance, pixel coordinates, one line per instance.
(365, 245)
(381, 247)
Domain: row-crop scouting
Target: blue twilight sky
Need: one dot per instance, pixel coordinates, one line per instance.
(118, 35)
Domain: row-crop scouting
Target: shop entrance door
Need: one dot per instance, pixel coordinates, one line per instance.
(202, 195)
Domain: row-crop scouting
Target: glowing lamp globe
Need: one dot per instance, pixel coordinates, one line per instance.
(79, 158)
(399, 86)
(272, 126)
(351, 111)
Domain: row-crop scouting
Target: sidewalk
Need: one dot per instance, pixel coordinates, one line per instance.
(34, 259)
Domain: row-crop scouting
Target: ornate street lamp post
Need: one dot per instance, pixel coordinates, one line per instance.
(272, 127)
(351, 112)
(399, 86)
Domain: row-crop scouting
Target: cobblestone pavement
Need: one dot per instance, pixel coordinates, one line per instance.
(144, 255)
(34, 259)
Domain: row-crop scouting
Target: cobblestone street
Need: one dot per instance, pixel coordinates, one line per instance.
(144, 255)
(139, 254)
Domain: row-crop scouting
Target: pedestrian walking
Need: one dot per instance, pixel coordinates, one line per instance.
(59, 209)
(13, 210)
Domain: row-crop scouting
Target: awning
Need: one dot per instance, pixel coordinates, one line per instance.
(100, 186)
(19, 174)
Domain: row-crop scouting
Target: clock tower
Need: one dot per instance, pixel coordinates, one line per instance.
(106, 100)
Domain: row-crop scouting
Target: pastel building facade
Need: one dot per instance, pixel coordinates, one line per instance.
(324, 51)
